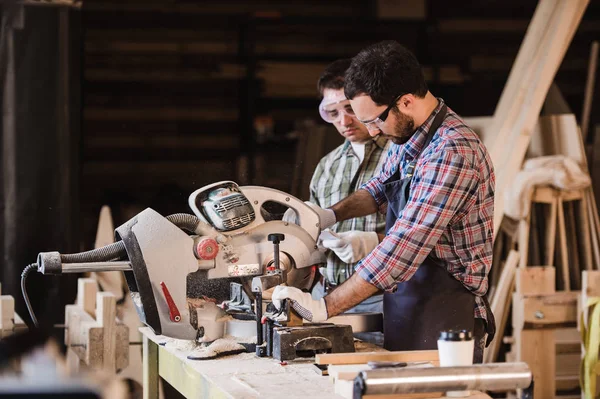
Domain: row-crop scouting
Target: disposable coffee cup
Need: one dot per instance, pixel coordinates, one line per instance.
(456, 349)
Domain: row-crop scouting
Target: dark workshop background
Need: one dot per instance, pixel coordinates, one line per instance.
(136, 104)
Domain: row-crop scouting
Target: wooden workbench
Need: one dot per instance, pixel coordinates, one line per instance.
(237, 376)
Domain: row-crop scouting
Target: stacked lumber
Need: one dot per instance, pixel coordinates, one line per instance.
(548, 36)
(561, 231)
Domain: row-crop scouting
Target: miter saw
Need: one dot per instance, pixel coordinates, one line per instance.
(227, 237)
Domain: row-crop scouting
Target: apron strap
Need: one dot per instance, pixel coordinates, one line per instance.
(435, 125)
(490, 325)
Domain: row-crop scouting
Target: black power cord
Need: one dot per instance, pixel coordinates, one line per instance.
(24, 274)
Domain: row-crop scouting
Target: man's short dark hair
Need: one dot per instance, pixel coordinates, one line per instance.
(333, 75)
(384, 71)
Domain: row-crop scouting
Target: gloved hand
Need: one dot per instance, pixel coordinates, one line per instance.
(290, 216)
(326, 216)
(352, 246)
(301, 302)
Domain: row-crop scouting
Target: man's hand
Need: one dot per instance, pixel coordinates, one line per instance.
(352, 246)
(302, 302)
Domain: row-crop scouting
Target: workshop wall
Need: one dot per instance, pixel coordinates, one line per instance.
(178, 94)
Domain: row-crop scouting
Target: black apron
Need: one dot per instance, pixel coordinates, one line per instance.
(432, 300)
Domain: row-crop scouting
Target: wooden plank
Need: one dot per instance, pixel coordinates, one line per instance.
(106, 313)
(350, 371)
(500, 304)
(524, 225)
(536, 348)
(545, 311)
(87, 289)
(568, 340)
(586, 109)
(567, 364)
(566, 383)
(562, 239)
(361, 358)
(573, 245)
(551, 231)
(584, 233)
(7, 315)
(545, 43)
(536, 280)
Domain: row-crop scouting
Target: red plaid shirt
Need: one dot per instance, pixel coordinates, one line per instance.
(449, 214)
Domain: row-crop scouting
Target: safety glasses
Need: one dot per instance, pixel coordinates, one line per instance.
(334, 111)
(380, 119)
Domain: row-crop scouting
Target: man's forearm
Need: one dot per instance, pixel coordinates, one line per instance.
(360, 203)
(349, 294)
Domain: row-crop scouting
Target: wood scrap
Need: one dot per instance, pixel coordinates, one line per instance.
(564, 252)
(535, 280)
(362, 358)
(500, 304)
(548, 36)
(586, 109)
(10, 321)
(94, 336)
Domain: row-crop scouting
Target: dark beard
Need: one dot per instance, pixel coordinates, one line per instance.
(404, 128)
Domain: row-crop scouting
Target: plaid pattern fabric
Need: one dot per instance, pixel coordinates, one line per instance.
(338, 175)
(449, 214)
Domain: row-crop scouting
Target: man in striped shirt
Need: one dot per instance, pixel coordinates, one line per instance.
(438, 184)
(339, 174)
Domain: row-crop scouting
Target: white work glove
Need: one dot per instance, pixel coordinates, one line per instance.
(352, 246)
(311, 310)
(290, 216)
(326, 216)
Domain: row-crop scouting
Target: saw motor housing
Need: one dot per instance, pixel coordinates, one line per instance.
(230, 241)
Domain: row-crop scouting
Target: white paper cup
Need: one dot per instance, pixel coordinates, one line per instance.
(455, 348)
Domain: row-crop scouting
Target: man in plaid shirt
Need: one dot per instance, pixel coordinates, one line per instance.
(438, 185)
(339, 174)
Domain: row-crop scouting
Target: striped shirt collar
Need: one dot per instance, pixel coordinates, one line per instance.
(414, 146)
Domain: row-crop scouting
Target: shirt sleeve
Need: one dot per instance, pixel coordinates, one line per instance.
(375, 185)
(314, 182)
(441, 188)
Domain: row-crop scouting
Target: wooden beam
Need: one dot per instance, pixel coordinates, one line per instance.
(106, 313)
(534, 280)
(544, 46)
(362, 358)
(87, 289)
(500, 304)
(536, 348)
(545, 311)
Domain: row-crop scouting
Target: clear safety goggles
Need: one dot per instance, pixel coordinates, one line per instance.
(333, 111)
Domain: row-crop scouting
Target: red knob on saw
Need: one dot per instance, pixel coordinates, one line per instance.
(207, 249)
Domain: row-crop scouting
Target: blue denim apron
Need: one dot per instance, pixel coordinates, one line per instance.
(432, 300)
